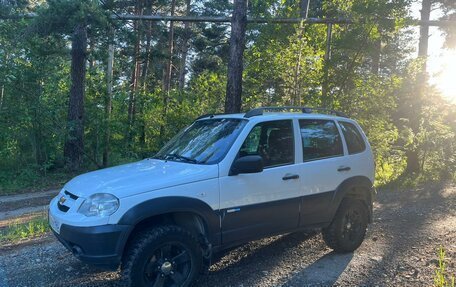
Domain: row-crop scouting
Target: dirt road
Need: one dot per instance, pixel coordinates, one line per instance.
(400, 250)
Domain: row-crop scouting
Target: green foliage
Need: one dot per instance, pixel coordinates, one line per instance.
(441, 278)
(62, 16)
(19, 231)
(284, 65)
(276, 75)
(31, 178)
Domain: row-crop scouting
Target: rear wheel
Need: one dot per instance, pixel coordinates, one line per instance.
(347, 231)
(161, 257)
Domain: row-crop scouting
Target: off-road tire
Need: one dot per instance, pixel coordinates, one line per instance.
(142, 248)
(337, 236)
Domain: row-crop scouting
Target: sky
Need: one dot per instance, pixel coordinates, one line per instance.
(441, 61)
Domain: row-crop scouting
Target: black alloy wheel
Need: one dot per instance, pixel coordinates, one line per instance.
(169, 265)
(164, 256)
(348, 228)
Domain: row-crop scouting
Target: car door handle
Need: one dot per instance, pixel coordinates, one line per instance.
(290, 176)
(344, 168)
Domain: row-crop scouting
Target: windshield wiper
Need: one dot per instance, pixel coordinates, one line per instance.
(181, 157)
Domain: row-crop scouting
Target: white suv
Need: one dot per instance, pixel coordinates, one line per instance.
(223, 181)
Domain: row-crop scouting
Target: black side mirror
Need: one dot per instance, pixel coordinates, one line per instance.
(247, 164)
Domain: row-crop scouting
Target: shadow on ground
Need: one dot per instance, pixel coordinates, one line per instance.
(323, 272)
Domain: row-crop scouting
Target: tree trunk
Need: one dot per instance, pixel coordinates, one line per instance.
(296, 100)
(144, 77)
(182, 70)
(37, 147)
(2, 89)
(235, 65)
(74, 145)
(424, 31)
(145, 69)
(134, 76)
(108, 102)
(376, 56)
(38, 138)
(169, 63)
(133, 90)
(168, 71)
(2, 94)
(304, 8)
(327, 100)
(413, 161)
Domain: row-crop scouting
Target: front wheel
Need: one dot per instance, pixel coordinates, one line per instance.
(348, 228)
(162, 256)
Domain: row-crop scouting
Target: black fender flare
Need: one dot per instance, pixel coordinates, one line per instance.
(172, 204)
(362, 182)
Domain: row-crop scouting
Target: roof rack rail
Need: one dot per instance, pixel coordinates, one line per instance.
(304, 110)
(208, 116)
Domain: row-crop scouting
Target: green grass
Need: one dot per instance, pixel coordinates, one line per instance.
(19, 231)
(441, 278)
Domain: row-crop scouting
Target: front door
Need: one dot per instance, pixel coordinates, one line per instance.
(259, 204)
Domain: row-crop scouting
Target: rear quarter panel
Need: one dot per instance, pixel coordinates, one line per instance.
(363, 163)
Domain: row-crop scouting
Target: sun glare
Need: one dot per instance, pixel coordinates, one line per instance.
(445, 80)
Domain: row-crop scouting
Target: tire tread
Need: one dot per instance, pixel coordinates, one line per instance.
(140, 242)
(330, 233)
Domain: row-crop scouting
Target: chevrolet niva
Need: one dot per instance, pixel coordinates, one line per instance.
(223, 181)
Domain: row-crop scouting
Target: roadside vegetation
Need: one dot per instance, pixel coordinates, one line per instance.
(17, 230)
(442, 278)
(30, 179)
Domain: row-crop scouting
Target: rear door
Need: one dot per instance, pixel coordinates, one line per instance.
(259, 204)
(322, 169)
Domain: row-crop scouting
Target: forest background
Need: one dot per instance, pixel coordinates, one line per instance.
(81, 89)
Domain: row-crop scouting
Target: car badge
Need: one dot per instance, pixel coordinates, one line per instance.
(62, 200)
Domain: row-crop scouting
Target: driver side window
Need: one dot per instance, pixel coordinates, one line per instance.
(273, 141)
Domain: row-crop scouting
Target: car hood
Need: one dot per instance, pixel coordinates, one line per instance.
(138, 177)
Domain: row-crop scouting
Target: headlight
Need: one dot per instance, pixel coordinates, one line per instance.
(99, 204)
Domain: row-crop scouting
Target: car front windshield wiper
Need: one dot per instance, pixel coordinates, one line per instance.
(180, 157)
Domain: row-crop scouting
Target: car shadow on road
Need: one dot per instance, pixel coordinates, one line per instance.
(291, 256)
(323, 272)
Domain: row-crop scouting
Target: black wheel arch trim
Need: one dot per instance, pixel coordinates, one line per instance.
(367, 188)
(173, 204)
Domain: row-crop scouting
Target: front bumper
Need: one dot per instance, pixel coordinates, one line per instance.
(100, 245)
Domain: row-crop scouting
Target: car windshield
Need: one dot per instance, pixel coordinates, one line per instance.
(204, 142)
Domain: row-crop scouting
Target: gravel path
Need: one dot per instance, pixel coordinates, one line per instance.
(12, 215)
(27, 196)
(15, 206)
(400, 250)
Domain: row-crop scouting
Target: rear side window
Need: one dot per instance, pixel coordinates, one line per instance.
(320, 139)
(355, 142)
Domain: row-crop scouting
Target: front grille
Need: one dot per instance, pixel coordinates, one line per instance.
(72, 196)
(66, 201)
(62, 207)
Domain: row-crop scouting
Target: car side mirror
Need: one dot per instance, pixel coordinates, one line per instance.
(247, 164)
